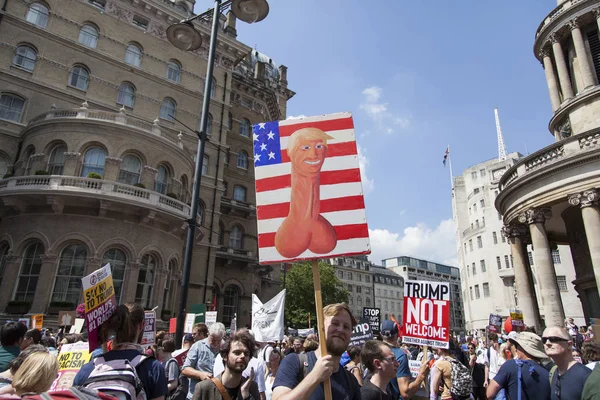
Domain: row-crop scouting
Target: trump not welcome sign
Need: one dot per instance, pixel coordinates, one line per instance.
(427, 313)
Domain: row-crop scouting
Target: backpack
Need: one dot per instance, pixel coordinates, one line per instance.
(461, 380)
(118, 378)
(183, 384)
(532, 371)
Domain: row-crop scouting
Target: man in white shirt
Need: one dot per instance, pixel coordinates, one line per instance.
(493, 355)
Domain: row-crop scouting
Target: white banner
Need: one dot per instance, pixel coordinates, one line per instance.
(267, 319)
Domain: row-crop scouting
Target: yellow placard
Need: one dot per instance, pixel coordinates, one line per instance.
(99, 293)
(37, 321)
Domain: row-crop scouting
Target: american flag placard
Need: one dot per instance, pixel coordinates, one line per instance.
(309, 196)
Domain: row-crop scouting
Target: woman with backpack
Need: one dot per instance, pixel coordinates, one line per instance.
(441, 377)
(125, 371)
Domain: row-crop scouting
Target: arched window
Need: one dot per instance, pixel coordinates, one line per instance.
(93, 161)
(229, 121)
(11, 107)
(56, 162)
(145, 283)
(201, 208)
(213, 88)
(28, 163)
(29, 273)
(230, 303)
(25, 57)
(4, 250)
(205, 165)
(209, 124)
(221, 233)
(242, 160)
(245, 127)
(161, 183)
(117, 260)
(236, 238)
(184, 194)
(71, 268)
(168, 108)
(3, 166)
(79, 77)
(88, 36)
(131, 167)
(38, 15)
(133, 55)
(239, 193)
(174, 71)
(167, 290)
(126, 94)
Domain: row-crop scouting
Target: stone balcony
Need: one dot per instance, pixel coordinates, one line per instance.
(231, 206)
(470, 231)
(236, 254)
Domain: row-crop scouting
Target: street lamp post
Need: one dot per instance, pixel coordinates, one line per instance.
(185, 37)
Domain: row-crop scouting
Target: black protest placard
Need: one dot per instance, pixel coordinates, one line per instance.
(361, 333)
(373, 316)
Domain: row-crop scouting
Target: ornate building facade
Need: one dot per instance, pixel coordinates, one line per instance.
(95, 167)
(550, 197)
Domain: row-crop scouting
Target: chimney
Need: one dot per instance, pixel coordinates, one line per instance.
(283, 74)
(230, 25)
(259, 71)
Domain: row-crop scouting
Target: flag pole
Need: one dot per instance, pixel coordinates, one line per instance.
(450, 165)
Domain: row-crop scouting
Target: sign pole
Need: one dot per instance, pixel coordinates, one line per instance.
(320, 322)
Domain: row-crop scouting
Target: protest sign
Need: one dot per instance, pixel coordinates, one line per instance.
(210, 317)
(78, 326)
(198, 310)
(70, 360)
(516, 317)
(495, 323)
(66, 318)
(361, 333)
(427, 313)
(267, 318)
(100, 301)
(373, 316)
(25, 321)
(233, 325)
(37, 321)
(149, 333)
(173, 325)
(189, 322)
(305, 332)
(180, 355)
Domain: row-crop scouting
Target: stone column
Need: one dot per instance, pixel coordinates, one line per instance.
(526, 298)
(580, 50)
(112, 167)
(9, 280)
(148, 177)
(551, 79)
(561, 66)
(39, 162)
(43, 291)
(130, 280)
(72, 162)
(590, 212)
(553, 308)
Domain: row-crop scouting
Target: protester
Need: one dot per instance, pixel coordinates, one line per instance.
(200, 359)
(6, 377)
(170, 364)
(272, 368)
(523, 375)
(494, 359)
(199, 332)
(236, 353)
(11, 336)
(479, 370)
(188, 341)
(382, 364)
(32, 336)
(300, 376)
(591, 354)
(35, 374)
(591, 390)
(571, 329)
(354, 366)
(298, 345)
(441, 375)
(569, 376)
(310, 345)
(126, 325)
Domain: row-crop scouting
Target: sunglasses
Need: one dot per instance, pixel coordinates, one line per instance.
(553, 339)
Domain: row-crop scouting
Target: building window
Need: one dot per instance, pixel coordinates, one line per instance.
(556, 256)
(131, 167)
(471, 244)
(56, 161)
(168, 109)
(367, 279)
(221, 234)
(229, 121)
(465, 248)
(140, 22)
(209, 124)
(499, 262)
(205, 160)
(133, 55)
(358, 289)
(25, 57)
(506, 262)
(239, 193)
(11, 107)
(167, 290)
(38, 15)
(174, 71)
(350, 288)
(482, 173)
(474, 269)
(530, 256)
(117, 260)
(503, 238)
(482, 265)
(562, 283)
(161, 182)
(28, 153)
(236, 238)
(349, 274)
(126, 94)
(486, 290)
(88, 36)
(474, 175)
(340, 274)
(100, 4)
(474, 207)
(359, 277)
(145, 283)
(495, 237)
(479, 242)
(477, 223)
(368, 302)
(477, 294)
(471, 290)
(29, 273)
(386, 304)
(230, 304)
(482, 203)
(79, 77)
(93, 161)
(242, 160)
(71, 268)
(245, 127)
(378, 303)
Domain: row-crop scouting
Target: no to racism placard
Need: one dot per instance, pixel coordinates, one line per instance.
(516, 319)
(70, 360)
(100, 301)
(427, 313)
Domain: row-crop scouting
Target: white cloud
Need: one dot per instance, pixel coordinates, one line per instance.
(363, 162)
(379, 111)
(420, 241)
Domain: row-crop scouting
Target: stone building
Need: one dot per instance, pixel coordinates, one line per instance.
(388, 287)
(355, 272)
(484, 258)
(550, 198)
(97, 170)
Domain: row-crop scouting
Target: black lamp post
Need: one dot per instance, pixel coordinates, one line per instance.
(185, 37)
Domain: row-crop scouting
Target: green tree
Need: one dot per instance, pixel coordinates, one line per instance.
(300, 295)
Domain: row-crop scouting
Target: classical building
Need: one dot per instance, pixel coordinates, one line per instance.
(96, 168)
(410, 268)
(388, 287)
(484, 258)
(355, 273)
(550, 197)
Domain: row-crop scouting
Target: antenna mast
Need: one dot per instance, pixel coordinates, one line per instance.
(501, 147)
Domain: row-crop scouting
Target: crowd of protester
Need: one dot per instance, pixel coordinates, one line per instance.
(213, 363)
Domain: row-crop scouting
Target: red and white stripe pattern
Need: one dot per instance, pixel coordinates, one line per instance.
(342, 201)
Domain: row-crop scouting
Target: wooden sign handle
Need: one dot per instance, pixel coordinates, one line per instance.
(320, 322)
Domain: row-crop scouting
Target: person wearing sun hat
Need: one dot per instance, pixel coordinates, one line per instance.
(524, 373)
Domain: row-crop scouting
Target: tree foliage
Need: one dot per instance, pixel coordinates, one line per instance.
(300, 296)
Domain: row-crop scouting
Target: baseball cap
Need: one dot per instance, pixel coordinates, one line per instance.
(389, 328)
(188, 337)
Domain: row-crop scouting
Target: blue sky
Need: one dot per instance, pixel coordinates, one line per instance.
(417, 75)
